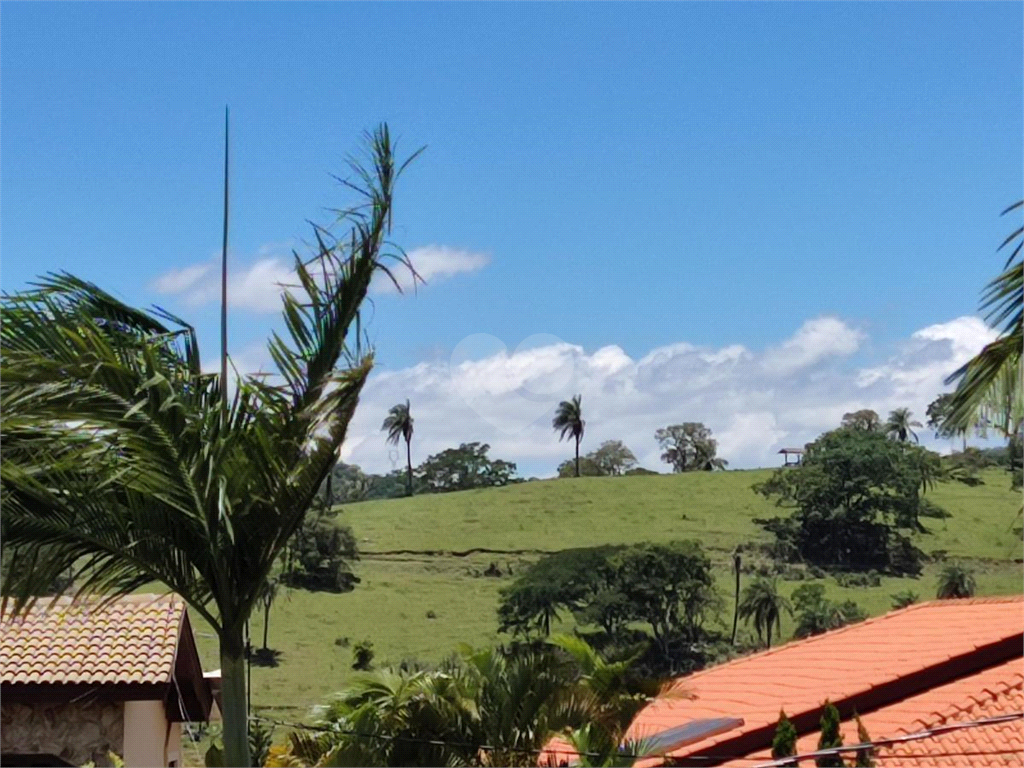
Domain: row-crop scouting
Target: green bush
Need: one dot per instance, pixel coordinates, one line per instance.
(362, 655)
(319, 556)
(903, 599)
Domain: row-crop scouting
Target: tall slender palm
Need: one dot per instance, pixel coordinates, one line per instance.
(763, 604)
(398, 425)
(121, 463)
(900, 425)
(999, 365)
(568, 422)
(737, 564)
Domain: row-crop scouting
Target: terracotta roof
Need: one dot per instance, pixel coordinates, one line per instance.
(996, 691)
(133, 640)
(866, 665)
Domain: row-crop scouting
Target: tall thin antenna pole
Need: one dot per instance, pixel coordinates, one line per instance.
(224, 289)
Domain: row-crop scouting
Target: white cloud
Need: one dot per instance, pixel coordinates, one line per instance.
(507, 399)
(181, 280)
(816, 340)
(433, 263)
(258, 285)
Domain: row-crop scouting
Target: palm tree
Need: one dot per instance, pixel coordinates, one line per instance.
(737, 563)
(956, 580)
(124, 460)
(764, 605)
(992, 379)
(490, 707)
(900, 425)
(398, 425)
(569, 421)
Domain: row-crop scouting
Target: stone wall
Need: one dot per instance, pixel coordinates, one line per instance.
(76, 733)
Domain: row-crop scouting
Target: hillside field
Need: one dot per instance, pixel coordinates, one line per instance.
(411, 564)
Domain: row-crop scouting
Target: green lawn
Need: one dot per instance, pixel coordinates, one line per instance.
(390, 606)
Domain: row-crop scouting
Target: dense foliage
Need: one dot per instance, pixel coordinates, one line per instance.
(815, 614)
(784, 740)
(689, 447)
(319, 555)
(855, 498)
(482, 708)
(666, 588)
(463, 468)
(610, 459)
(831, 737)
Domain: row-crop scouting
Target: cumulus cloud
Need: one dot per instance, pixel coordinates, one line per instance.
(816, 340)
(257, 285)
(433, 263)
(506, 398)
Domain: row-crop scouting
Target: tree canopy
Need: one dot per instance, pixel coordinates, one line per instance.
(463, 468)
(667, 587)
(689, 447)
(855, 497)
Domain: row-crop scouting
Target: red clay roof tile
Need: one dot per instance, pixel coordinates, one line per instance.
(131, 640)
(841, 665)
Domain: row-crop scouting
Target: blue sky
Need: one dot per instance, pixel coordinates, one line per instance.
(625, 177)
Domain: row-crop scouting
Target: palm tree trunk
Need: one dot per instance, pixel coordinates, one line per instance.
(235, 731)
(577, 457)
(408, 463)
(266, 623)
(736, 610)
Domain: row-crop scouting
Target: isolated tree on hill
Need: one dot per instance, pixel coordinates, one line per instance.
(857, 495)
(126, 461)
(568, 422)
(956, 581)
(464, 468)
(763, 604)
(689, 447)
(831, 737)
(865, 419)
(613, 458)
(398, 425)
(588, 468)
(900, 425)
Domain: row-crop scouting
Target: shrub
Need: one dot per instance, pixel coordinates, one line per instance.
(362, 655)
(784, 741)
(817, 615)
(956, 581)
(865, 757)
(341, 642)
(830, 737)
(870, 579)
(320, 553)
(903, 599)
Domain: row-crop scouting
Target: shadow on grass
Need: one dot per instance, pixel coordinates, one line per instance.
(266, 657)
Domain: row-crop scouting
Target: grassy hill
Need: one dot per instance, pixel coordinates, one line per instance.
(416, 560)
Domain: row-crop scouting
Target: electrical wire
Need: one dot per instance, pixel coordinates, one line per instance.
(715, 758)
